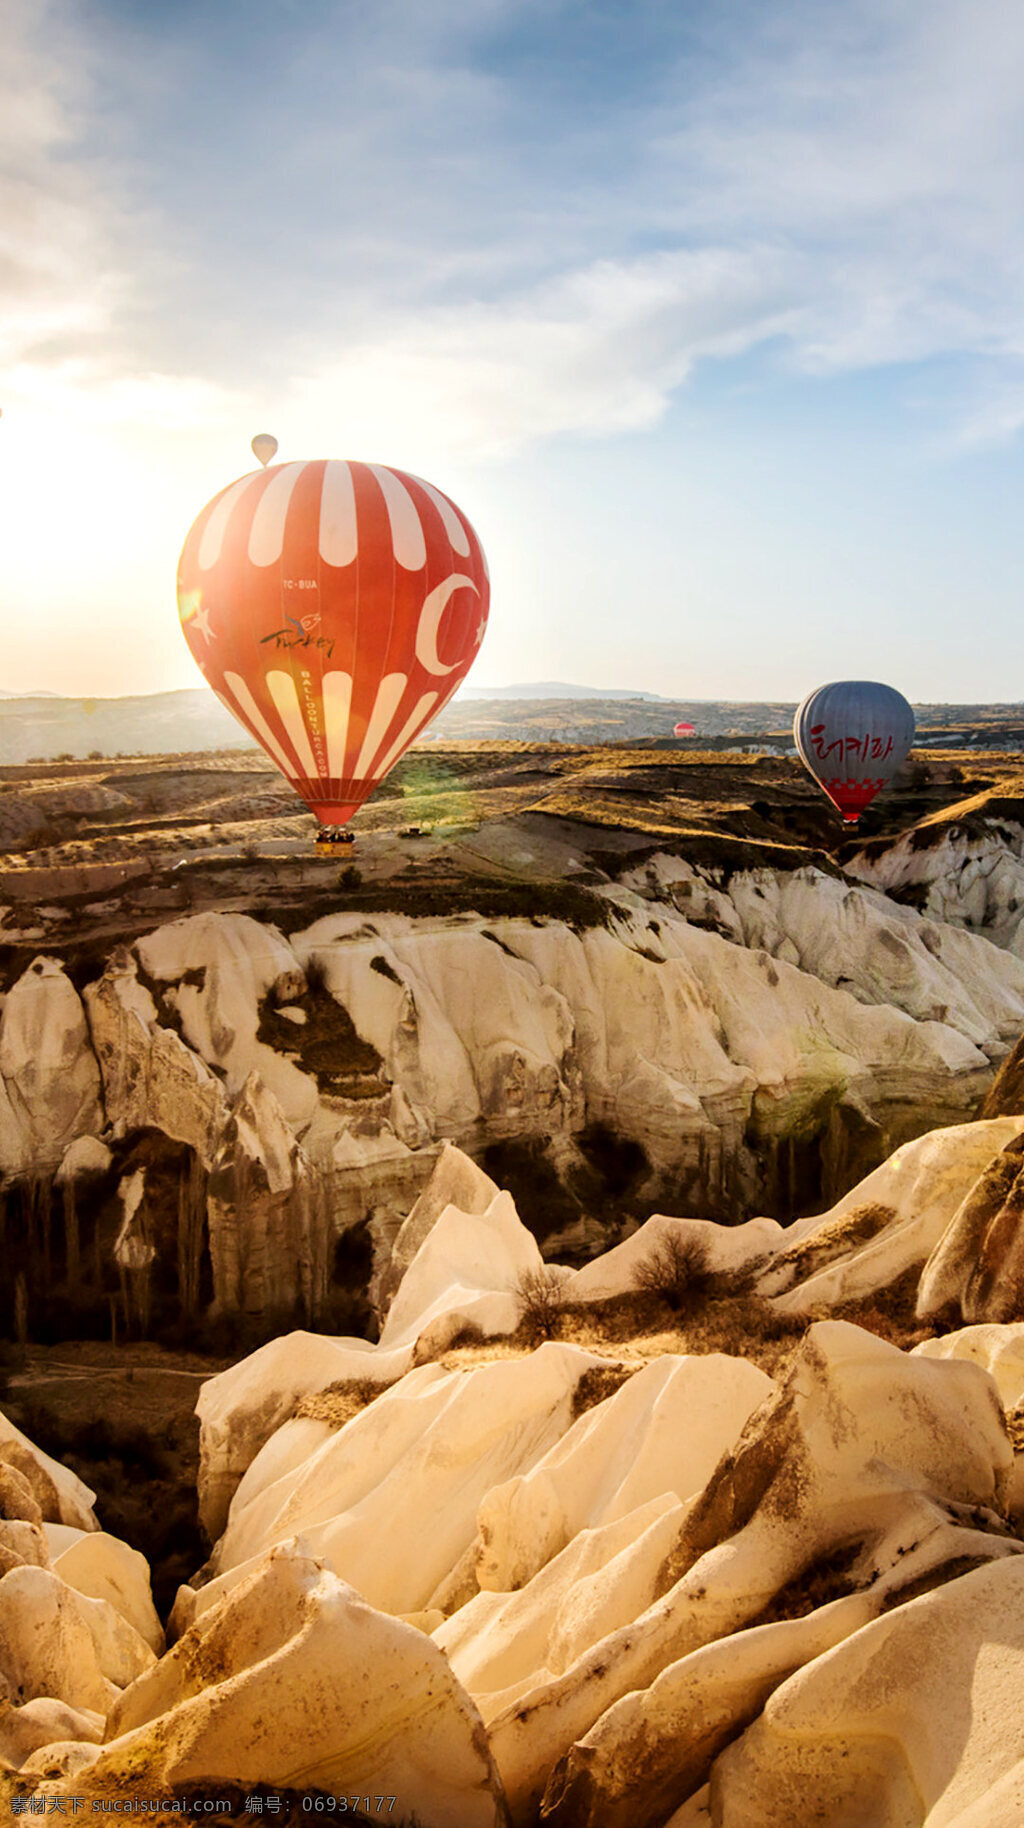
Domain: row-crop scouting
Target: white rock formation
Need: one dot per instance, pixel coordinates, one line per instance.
(976, 1266)
(294, 1681)
(663, 1432)
(22, 1539)
(506, 1645)
(102, 1567)
(920, 1187)
(239, 1409)
(658, 1743)
(972, 877)
(858, 1450)
(466, 1272)
(390, 1500)
(151, 1078)
(57, 1643)
(49, 1081)
(269, 1230)
(467, 1030)
(742, 1060)
(455, 1180)
(218, 969)
(61, 1495)
(43, 1722)
(999, 1349)
(85, 1156)
(670, 1034)
(725, 1250)
(914, 1720)
(883, 953)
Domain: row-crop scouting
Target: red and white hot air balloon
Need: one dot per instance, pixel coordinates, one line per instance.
(334, 608)
(684, 730)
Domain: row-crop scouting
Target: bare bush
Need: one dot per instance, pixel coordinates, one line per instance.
(677, 1271)
(541, 1301)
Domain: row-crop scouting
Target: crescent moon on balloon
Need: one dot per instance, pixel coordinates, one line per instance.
(429, 624)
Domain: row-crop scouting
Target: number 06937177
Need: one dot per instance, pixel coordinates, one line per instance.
(348, 1805)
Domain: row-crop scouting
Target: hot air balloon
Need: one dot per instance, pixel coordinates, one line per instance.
(684, 730)
(334, 608)
(852, 736)
(264, 447)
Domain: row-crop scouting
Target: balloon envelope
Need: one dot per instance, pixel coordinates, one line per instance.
(264, 447)
(852, 736)
(334, 608)
(683, 730)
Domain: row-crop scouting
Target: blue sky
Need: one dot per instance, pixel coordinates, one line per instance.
(710, 316)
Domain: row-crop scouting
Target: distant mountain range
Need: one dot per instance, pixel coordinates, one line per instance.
(40, 725)
(43, 726)
(159, 723)
(548, 688)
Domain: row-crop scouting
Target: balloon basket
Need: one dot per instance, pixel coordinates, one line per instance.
(331, 841)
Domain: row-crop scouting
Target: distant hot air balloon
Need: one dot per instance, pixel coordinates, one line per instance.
(334, 608)
(852, 736)
(684, 730)
(264, 447)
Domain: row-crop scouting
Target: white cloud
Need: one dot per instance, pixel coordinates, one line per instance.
(846, 181)
(57, 282)
(884, 141)
(839, 175)
(600, 350)
(68, 236)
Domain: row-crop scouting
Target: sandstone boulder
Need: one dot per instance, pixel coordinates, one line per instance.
(890, 1222)
(390, 1499)
(915, 1719)
(60, 1494)
(240, 1408)
(294, 1681)
(54, 1642)
(663, 1432)
(49, 1079)
(42, 1722)
(103, 1567)
(862, 1448)
(976, 1266)
(467, 1270)
(454, 1181)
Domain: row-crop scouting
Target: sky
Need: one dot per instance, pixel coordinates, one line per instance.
(708, 313)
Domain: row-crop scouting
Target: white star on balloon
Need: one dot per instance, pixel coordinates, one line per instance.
(201, 623)
(478, 637)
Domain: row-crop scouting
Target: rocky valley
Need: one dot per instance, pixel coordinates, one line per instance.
(598, 1198)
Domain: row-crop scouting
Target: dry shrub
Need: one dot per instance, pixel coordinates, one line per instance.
(637, 1326)
(835, 1238)
(599, 1383)
(1014, 1419)
(677, 1271)
(539, 1293)
(339, 1402)
(469, 1334)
